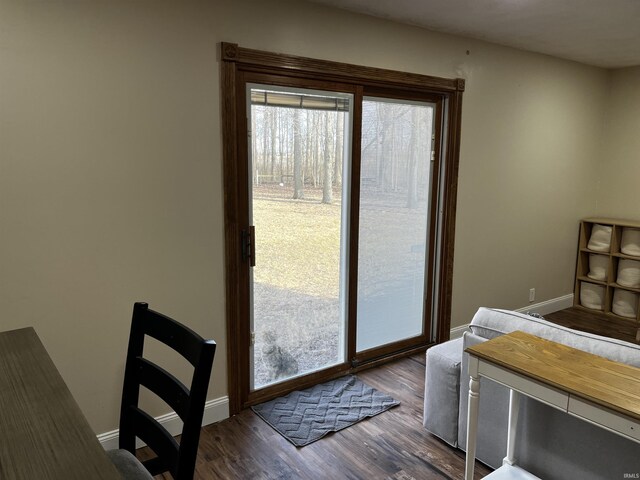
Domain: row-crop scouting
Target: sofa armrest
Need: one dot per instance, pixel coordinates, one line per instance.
(442, 390)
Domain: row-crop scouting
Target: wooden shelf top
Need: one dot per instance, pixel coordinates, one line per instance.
(604, 283)
(613, 221)
(622, 287)
(628, 257)
(587, 279)
(595, 252)
(613, 385)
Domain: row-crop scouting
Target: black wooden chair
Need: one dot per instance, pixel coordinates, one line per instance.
(178, 459)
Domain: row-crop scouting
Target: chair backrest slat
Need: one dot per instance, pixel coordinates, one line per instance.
(164, 385)
(188, 404)
(157, 439)
(173, 334)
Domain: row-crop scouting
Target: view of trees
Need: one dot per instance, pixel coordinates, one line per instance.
(298, 147)
(299, 144)
(396, 149)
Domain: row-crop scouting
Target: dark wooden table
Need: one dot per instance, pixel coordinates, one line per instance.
(43, 433)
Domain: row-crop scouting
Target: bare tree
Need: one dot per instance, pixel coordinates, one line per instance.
(327, 191)
(254, 150)
(273, 126)
(412, 166)
(298, 173)
(266, 116)
(302, 144)
(339, 145)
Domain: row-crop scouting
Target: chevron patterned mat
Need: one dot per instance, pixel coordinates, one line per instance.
(302, 417)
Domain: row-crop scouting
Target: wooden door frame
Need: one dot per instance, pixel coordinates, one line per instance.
(234, 61)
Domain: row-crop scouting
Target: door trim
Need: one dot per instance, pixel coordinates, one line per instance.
(234, 62)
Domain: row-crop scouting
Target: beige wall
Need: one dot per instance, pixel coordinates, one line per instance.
(110, 173)
(619, 179)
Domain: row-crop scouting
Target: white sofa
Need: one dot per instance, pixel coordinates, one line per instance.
(550, 444)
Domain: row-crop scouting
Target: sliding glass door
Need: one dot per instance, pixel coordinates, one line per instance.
(307, 286)
(339, 214)
(395, 207)
(299, 157)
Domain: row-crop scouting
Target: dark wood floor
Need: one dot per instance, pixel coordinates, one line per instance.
(393, 445)
(598, 323)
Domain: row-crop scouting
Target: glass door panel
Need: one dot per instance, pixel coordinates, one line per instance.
(298, 150)
(395, 193)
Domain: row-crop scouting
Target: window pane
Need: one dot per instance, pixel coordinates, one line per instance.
(394, 211)
(298, 144)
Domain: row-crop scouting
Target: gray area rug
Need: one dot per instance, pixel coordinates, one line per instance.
(302, 417)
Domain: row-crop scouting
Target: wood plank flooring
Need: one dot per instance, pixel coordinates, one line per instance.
(393, 445)
(598, 323)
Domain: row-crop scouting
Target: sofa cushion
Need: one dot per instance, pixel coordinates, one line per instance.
(128, 466)
(442, 390)
(490, 323)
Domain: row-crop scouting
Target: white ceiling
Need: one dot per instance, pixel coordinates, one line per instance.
(604, 33)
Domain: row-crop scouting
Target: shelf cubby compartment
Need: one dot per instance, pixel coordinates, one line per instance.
(594, 267)
(593, 295)
(624, 303)
(626, 273)
(587, 231)
(611, 262)
(630, 242)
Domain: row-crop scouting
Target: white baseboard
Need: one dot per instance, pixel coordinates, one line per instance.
(543, 308)
(214, 411)
(549, 306)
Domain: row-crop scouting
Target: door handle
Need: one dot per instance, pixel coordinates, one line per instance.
(248, 246)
